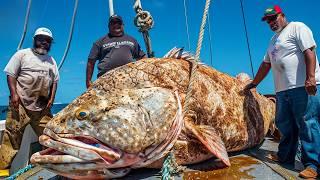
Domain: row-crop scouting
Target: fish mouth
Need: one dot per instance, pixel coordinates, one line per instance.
(84, 148)
(81, 157)
(69, 148)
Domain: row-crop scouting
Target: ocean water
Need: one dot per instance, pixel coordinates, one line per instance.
(55, 109)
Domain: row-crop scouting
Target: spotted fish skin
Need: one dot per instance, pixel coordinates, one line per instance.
(132, 112)
(217, 100)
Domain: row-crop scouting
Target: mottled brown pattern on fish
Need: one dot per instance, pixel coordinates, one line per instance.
(132, 136)
(240, 121)
(216, 102)
(186, 152)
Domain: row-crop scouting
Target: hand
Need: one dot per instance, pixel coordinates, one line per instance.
(15, 100)
(88, 84)
(311, 86)
(247, 88)
(49, 104)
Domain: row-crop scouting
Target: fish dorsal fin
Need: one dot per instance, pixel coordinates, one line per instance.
(179, 53)
(210, 139)
(174, 53)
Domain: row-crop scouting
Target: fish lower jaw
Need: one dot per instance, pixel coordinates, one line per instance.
(86, 171)
(81, 148)
(69, 149)
(77, 168)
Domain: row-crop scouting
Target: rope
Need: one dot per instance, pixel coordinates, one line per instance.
(247, 38)
(195, 63)
(21, 171)
(210, 39)
(70, 35)
(170, 167)
(187, 25)
(144, 21)
(31, 173)
(299, 153)
(25, 25)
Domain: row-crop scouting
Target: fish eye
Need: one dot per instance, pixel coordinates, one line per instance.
(82, 114)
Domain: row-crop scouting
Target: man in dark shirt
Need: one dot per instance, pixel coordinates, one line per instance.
(113, 50)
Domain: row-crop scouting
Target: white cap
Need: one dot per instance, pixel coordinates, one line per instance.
(43, 31)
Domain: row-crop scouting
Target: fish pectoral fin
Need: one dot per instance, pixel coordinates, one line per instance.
(211, 140)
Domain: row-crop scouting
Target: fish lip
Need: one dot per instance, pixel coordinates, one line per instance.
(123, 160)
(59, 145)
(88, 171)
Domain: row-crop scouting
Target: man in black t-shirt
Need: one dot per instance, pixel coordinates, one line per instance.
(113, 50)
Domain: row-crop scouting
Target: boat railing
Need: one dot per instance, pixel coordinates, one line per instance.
(2, 125)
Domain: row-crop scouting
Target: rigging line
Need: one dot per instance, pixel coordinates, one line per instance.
(25, 25)
(247, 38)
(144, 22)
(70, 35)
(194, 64)
(210, 39)
(187, 25)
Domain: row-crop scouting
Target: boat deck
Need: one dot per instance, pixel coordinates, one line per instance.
(249, 164)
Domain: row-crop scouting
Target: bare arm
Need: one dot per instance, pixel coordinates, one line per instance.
(138, 53)
(261, 74)
(144, 56)
(14, 97)
(89, 72)
(53, 90)
(310, 60)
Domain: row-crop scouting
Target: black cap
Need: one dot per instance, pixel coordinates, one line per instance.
(115, 17)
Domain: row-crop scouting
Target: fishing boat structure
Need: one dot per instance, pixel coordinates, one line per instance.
(248, 164)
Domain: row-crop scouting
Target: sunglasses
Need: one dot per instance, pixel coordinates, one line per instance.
(272, 18)
(43, 39)
(115, 22)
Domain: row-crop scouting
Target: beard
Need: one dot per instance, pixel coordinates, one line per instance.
(40, 49)
(278, 29)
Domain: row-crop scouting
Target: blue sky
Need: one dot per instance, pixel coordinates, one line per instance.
(229, 49)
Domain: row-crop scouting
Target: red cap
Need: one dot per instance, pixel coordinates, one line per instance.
(271, 11)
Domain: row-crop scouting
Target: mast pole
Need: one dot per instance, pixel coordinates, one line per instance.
(111, 11)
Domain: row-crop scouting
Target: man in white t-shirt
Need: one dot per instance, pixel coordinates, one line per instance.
(291, 55)
(32, 77)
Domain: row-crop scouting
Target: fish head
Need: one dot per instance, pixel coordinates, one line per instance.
(102, 134)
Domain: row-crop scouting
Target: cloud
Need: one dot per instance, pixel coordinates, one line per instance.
(82, 62)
